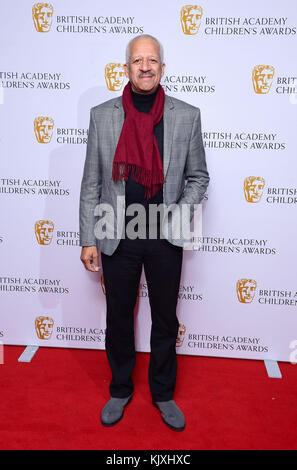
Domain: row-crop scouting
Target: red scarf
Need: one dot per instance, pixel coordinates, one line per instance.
(137, 149)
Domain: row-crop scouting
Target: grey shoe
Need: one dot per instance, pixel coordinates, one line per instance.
(113, 411)
(171, 415)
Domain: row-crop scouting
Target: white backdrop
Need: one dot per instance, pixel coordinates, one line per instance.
(54, 68)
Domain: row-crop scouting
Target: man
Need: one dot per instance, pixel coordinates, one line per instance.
(142, 148)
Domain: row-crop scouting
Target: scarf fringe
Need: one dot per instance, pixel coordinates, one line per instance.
(151, 181)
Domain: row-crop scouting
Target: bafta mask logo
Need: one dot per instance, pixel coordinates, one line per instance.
(44, 230)
(44, 327)
(114, 76)
(190, 17)
(262, 78)
(253, 188)
(181, 335)
(43, 129)
(246, 289)
(42, 16)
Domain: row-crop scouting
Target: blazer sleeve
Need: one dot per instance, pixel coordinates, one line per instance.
(196, 173)
(90, 188)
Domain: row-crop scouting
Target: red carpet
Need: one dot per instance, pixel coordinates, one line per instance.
(55, 402)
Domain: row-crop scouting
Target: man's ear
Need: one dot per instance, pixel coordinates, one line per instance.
(126, 70)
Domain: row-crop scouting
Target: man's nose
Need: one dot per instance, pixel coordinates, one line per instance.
(145, 66)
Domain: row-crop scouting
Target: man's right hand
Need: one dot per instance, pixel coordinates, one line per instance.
(90, 259)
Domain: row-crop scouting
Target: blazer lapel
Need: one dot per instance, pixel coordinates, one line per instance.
(118, 117)
(169, 121)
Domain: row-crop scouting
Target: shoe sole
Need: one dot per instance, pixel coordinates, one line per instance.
(108, 425)
(167, 424)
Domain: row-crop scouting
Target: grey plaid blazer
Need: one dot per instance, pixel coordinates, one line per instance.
(185, 170)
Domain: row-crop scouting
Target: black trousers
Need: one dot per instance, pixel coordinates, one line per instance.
(162, 264)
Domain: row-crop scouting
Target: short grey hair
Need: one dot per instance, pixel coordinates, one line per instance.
(145, 36)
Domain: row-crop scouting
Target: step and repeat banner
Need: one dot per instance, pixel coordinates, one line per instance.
(237, 62)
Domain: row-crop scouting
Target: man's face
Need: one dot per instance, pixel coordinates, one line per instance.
(144, 69)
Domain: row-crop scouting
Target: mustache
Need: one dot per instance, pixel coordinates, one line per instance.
(141, 74)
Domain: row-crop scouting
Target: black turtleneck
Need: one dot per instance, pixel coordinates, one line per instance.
(134, 190)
